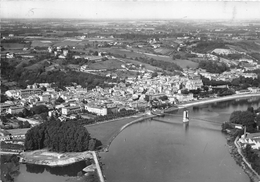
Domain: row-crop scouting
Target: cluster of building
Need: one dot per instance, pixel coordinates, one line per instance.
(227, 76)
(101, 101)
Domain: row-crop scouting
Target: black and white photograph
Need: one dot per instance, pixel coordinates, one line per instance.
(130, 91)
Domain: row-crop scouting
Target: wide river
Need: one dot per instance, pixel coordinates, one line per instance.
(164, 149)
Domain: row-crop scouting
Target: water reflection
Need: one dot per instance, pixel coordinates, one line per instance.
(186, 127)
(70, 170)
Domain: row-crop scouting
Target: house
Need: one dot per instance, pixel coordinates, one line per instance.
(5, 106)
(194, 84)
(65, 52)
(9, 55)
(254, 89)
(70, 110)
(102, 111)
(184, 97)
(252, 139)
(12, 93)
(45, 98)
(28, 92)
(250, 75)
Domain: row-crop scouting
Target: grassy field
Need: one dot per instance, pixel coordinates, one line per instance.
(63, 43)
(148, 66)
(41, 43)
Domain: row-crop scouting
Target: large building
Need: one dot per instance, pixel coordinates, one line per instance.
(101, 111)
(70, 110)
(194, 84)
(23, 93)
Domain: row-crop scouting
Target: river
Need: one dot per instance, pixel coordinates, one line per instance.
(164, 149)
(172, 151)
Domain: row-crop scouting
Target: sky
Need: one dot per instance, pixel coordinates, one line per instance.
(130, 9)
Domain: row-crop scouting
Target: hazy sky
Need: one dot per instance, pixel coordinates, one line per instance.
(135, 9)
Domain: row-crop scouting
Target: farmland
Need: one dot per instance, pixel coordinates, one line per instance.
(12, 46)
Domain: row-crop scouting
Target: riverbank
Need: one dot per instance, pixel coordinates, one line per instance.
(217, 99)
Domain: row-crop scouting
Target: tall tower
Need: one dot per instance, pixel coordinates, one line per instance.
(185, 116)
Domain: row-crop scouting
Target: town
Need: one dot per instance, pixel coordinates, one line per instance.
(136, 68)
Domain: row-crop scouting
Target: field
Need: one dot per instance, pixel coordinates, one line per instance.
(181, 62)
(109, 64)
(41, 43)
(11, 46)
(163, 51)
(68, 42)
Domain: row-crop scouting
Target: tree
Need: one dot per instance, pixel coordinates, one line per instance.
(58, 136)
(251, 109)
(163, 98)
(146, 98)
(185, 91)
(26, 124)
(244, 118)
(3, 98)
(20, 124)
(39, 109)
(26, 112)
(43, 88)
(59, 101)
(154, 74)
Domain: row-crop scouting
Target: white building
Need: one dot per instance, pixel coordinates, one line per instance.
(96, 109)
(194, 84)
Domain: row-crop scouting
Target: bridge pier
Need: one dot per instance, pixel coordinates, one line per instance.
(185, 116)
